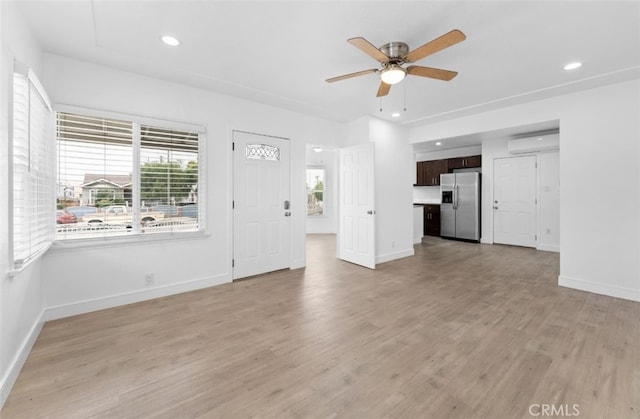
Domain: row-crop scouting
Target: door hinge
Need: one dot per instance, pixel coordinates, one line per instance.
(233, 204)
(535, 236)
(233, 263)
(233, 146)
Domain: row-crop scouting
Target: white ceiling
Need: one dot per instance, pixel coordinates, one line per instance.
(280, 53)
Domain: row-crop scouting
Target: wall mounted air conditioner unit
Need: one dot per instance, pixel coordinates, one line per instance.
(534, 144)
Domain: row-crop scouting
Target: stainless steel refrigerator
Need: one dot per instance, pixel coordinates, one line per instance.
(460, 208)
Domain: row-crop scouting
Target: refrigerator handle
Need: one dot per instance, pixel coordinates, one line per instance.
(455, 196)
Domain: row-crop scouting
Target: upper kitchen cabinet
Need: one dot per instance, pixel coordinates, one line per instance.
(429, 172)
(464, 162)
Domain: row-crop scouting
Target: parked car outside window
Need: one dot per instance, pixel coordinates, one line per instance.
(65, 217)
(190, 211)
(167, 210)
(82, 210)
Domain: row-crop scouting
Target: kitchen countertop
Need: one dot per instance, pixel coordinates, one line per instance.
(426, 201)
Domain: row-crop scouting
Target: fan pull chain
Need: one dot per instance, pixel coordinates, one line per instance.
(404, 88)
(380, 104)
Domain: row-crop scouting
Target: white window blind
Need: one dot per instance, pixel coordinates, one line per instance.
(120, 177)
(32, 169)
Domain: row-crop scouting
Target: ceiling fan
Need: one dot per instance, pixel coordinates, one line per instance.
(394, 54)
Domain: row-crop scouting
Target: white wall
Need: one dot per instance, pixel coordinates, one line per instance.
(549, 201)
(327, 223)
(448, 153)
(21, 298)
(394, 174)
(86, 278)
(356, 132)
(599, 131)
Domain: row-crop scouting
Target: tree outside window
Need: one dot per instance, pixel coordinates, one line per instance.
(315, 191)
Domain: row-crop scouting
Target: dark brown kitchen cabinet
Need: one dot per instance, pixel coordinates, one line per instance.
(464, 162)
(428, 172)
(432, 220)
(421, 176)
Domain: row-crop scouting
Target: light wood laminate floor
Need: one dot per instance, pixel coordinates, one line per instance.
(459, 330)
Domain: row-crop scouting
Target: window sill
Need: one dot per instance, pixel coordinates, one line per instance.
(124, 241)
(23, 266)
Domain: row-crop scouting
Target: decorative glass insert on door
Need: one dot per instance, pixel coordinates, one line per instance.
(262, 152)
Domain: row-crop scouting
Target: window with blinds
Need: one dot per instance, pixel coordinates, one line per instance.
(119, 177)
(32, 170)
(315, 190)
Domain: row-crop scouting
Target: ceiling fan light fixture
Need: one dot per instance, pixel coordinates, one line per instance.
(393, 74)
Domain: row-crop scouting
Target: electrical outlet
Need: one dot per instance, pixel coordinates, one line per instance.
(149, 280)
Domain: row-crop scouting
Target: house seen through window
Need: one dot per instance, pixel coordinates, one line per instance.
(315, 190)
(118, 177)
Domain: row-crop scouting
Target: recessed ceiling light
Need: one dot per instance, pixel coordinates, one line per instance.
(395, 114)
(438, 143)
(317, 149)
(170, 40)
(573, 66)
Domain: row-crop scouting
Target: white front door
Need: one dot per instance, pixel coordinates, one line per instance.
(514, 201)
(356, 231)
(261, 208)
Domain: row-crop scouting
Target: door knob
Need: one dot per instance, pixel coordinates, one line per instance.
(495, 208)
(371, 212)
(287, 214)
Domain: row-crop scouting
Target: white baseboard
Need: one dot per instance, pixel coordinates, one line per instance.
(395, 255)
(19, 359)
(549, 248)
(485, 241)
(102, 303)
(599, 288)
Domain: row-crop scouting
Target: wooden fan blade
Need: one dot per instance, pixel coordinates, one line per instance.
(434, 73)
(368, 48)
(350, 75)
(438, 44)
(383, 90)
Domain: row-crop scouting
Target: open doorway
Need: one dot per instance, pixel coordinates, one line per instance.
(322, 190)
(322, 198)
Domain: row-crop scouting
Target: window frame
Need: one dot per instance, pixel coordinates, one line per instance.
(45, 169)
(139, 237)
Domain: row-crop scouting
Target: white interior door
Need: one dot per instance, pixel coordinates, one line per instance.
(356, 230)
(514, 205)
(261, 208)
